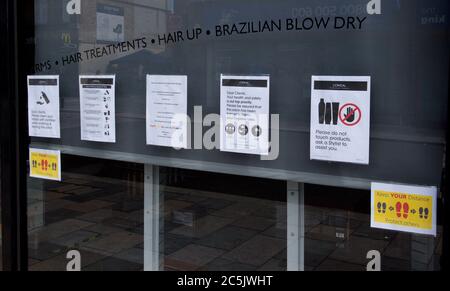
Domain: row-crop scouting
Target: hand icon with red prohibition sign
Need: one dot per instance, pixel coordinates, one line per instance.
(350, 116)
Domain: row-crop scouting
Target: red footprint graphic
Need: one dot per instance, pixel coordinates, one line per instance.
(398, 207)
(405, 210)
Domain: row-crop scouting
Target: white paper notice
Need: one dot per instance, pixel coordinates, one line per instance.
(340, 119)
(167, 111)
(43, 106)
(244, 109)
(97, 107)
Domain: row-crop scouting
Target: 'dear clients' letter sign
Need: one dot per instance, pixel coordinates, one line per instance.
(244, 110)
(404, 208)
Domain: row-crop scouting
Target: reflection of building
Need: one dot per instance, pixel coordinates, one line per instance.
(139, 64)
(100, 23)
(104, 22)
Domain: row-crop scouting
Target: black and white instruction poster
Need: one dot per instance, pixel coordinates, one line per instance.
(167, 111)
(340, 119)
(43, 106)
(244, 110)
(97, 107)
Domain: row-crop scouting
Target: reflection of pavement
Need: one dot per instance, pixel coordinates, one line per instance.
(103, 218)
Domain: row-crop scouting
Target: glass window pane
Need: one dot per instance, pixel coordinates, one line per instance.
(339, 236)
(97, 209)
(139, 215)
(211, 225)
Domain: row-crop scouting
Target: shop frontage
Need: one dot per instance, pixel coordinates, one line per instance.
(224, 135)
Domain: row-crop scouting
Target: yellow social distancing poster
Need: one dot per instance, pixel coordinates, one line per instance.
(404, 208)
(45, 164)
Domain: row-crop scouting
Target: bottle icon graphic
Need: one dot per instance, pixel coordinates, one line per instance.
(335, 113)
(322, 111)
(328, 113)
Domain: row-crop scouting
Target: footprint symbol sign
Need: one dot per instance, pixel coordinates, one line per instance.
(381, 207)
(424, 213)
(402, 210)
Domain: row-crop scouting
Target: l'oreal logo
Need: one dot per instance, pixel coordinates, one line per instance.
(244, 83)
(74, 7)
(339, 86)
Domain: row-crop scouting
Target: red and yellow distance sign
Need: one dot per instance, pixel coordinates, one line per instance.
(404, 208)
(45, 164)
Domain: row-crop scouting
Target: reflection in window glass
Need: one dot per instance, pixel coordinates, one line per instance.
(209, 225)
(338, 236)
(200, 221)
(96, 209)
